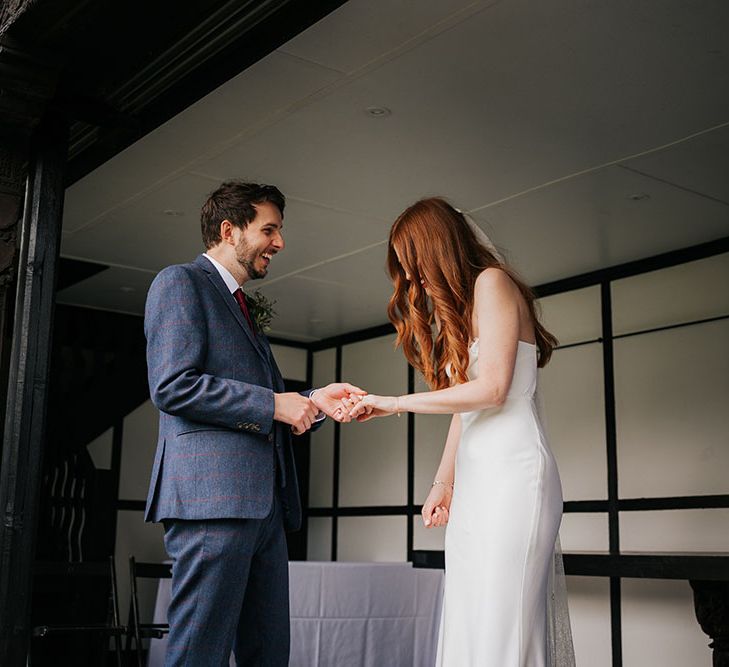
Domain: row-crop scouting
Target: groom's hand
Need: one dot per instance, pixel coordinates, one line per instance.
(330, 399)
(294, 409)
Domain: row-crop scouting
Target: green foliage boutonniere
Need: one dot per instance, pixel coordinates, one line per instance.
(261, 310)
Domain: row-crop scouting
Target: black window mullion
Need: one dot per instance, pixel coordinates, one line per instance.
(612, 468)
(335, 465)
(411, 466)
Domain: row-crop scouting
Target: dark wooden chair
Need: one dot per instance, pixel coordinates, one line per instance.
(138, 630)
(71, 582)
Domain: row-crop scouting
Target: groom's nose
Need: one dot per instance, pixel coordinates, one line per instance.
(278, 242)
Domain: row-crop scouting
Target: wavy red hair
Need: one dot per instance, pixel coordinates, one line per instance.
(436, 244)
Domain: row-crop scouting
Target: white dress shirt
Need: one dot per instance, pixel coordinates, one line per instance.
(226, 275)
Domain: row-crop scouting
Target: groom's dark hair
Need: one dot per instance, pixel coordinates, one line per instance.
(235, 201)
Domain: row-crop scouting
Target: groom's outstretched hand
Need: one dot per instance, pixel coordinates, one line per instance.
(330, 399)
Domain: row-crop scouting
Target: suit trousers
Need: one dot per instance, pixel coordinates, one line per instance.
(230, 590)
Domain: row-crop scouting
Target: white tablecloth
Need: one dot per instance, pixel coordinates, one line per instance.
(342, 614)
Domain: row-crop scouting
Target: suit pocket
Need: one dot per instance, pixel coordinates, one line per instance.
(212, 429)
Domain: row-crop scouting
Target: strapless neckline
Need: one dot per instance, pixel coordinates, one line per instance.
(473, 343)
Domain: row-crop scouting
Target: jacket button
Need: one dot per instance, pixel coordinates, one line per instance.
(239, 425)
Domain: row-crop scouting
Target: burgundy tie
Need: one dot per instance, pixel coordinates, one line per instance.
(241, 299)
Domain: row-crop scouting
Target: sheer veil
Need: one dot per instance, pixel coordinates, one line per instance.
(560, 649)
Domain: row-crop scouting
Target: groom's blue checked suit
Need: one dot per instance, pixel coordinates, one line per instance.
(223, 480)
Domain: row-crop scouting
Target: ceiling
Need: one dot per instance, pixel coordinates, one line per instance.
(579, 135)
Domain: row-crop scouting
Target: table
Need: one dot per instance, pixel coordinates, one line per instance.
(352, 614)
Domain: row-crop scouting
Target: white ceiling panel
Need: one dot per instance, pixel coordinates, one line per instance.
(344, 295)
(314, 234)
(252, 98)
(701, 164)
(497, 105)
(550, 120)
(354, 35)
(167, 220)
(141, 234)
(597, 220)
(117, 289)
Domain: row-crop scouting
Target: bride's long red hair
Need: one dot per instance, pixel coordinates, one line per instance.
(436, 244)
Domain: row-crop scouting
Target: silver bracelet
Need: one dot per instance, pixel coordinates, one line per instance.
(440, 481)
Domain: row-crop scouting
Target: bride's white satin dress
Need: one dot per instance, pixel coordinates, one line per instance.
(499, 543)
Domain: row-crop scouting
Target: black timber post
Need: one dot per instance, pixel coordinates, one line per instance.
(23, 434)
(13, 158)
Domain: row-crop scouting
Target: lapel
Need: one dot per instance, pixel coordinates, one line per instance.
(232, 304)
(278, 378)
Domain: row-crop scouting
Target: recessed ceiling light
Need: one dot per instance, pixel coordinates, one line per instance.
(172, 213)
(378, 112)
(639, 196)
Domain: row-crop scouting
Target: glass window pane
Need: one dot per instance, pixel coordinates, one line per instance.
(291, 361)
(671, 395)
(589, 603)
(319, 538)
(574, 316)
(373, 463)
(683, 293)
(139, 443)
(321, 466)
(321, 470)
(324, 367)
(430, 436)
(431, 539)
(675, 530)
(659, 625)
(572, 389)
(372, 538)
(584, 532)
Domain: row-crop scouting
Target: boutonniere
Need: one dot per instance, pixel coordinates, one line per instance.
(261, 311)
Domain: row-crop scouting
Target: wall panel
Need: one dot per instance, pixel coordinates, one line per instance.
(683, 293)
(372, 538)
(671, 390)
(374, 454)
(573, 394)
(659, 625)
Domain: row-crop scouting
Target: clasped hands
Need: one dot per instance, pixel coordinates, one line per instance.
(341, 401)
(358, 405)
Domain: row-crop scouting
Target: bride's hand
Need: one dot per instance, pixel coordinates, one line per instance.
(373, 406)
(437, 506)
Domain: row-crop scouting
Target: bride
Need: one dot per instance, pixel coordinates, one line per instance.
(469, 325)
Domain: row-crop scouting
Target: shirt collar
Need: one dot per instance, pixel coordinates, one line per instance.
(226, 275)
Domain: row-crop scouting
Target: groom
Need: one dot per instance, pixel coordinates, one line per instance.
(223, 481)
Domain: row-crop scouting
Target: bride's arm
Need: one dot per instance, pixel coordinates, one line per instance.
(496, 302)
(437, 505)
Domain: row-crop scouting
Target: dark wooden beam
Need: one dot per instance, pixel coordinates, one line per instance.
(23, 434)
(647, 565)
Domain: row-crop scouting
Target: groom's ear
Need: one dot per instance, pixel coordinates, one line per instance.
(226, 231)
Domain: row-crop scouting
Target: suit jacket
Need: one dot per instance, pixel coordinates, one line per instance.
(213, 381)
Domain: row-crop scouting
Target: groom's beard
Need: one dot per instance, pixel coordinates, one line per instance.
(247, 258)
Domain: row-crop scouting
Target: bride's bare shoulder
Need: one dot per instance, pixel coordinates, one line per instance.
(494, 279)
